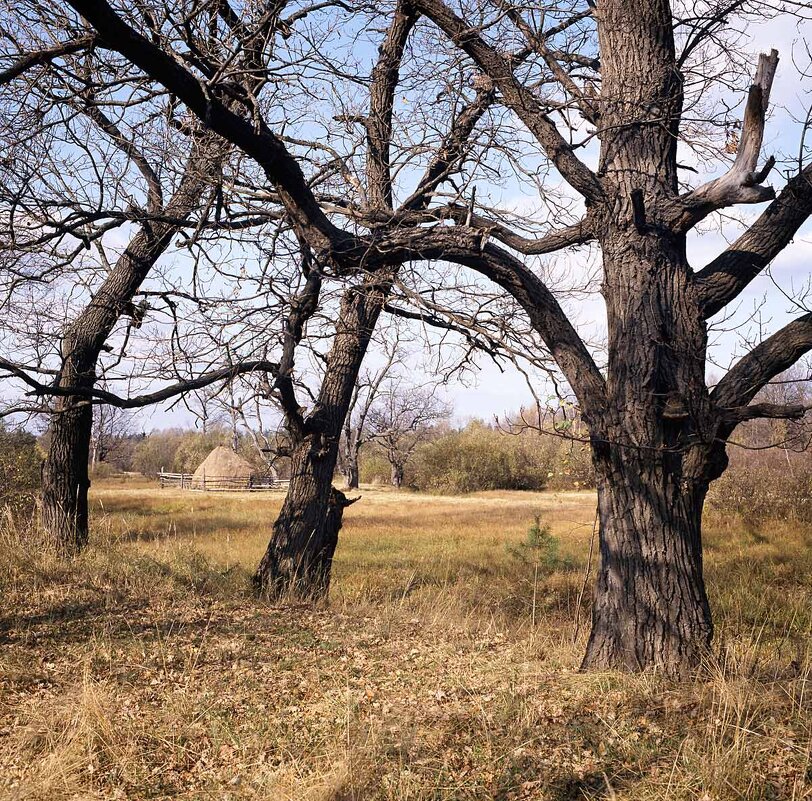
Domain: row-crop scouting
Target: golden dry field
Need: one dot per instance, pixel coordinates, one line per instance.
(444, 667)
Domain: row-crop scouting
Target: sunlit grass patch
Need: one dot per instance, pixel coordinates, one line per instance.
(443, 667)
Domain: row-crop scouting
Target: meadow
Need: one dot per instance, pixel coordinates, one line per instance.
(445, 665)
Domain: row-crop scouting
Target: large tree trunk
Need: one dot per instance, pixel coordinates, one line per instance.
(299, 555)
(652, 454)
(652, 437)
(650, 608)
(299, 558)
(65, 480)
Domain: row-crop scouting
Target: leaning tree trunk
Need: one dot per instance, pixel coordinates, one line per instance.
(297, 561)
(299, 556)
(65, 480)
(65, 476)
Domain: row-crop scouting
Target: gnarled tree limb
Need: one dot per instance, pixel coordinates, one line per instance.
(742, 182)
(723, 279)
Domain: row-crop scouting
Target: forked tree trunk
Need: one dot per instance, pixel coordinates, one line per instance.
(299, 556)
(650, 609)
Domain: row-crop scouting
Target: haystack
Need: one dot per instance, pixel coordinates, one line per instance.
(222, 469)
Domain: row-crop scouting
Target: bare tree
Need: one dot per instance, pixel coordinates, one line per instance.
(77, 85)
(109, 425)
(367, 390)
(599, 91)
(401, 418)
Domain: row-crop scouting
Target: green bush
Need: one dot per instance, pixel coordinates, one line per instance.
(482, 458)
(540, 549)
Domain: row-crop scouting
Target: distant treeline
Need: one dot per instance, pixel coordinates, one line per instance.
(762, 483)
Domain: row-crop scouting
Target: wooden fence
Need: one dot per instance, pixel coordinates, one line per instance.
(208, 483)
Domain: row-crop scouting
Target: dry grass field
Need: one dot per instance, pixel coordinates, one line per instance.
(444, 666)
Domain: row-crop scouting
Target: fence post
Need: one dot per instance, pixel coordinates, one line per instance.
(204, 481)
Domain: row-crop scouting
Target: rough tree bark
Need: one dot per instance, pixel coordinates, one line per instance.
(650, 606)
(65, 478)
(299, 556)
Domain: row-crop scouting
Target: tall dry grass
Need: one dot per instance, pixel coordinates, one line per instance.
(444, 667)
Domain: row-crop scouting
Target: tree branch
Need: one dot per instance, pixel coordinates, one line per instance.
(255, 138)
(723, 279)
(742, 182)
(548, 318)
(450, 151)
(733, 416)
(755, 370)
(385, 77)
(102, 396)
(154, 191)
(42, 57)
(517, 97)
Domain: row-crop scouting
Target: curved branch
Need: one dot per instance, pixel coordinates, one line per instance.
(755, 370)
(723, 279)
(466, 246)
(260, 143)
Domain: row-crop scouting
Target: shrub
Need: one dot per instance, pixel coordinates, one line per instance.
(373, 467)
(20, 466)
(479, 457)
(765, 485)
(482, 458)
(540, 549)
